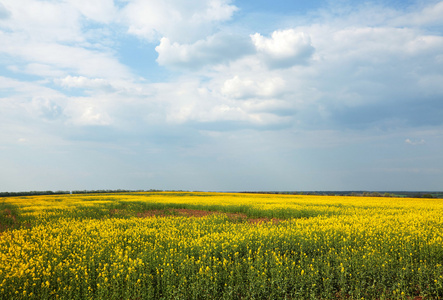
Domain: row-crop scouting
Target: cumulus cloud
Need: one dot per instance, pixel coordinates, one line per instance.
(93, 116)
(180, 21)
(285, 48)
(215, 49)
(239, 88)
(191, 103)
(84, 112)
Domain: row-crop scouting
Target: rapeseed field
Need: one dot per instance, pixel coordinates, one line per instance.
(189, 245)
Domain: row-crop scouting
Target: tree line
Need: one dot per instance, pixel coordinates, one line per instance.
(41, 193)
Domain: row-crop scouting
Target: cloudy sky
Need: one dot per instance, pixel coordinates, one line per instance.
(220, 95)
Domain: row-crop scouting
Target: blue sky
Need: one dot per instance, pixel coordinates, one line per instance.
(221, 95)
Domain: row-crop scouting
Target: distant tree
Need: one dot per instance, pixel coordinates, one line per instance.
(427, 196)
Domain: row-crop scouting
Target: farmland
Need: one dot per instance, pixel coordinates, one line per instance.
(189, 245)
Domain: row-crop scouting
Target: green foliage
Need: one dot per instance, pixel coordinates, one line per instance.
(9, 216)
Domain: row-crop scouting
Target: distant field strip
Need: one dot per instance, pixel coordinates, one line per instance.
(183, 245)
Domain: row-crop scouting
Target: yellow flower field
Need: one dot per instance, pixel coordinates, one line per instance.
(161, 245)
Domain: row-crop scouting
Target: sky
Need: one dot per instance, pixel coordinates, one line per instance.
(220, 95)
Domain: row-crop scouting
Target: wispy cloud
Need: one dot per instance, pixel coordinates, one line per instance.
(415, 142)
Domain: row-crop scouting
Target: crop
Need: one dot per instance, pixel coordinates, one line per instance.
(180, 245)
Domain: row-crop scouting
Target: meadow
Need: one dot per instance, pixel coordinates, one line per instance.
(192, 245)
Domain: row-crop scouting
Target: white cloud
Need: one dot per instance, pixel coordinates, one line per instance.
(82, 82)
(285, 48)
(47, 108)
(422, 44)
(43, 20)
(190, 102)
(38, 69)
(50, 38)
(21, 90)
(88, 112)
(239, 88)
(67, 59)
(414, 142)
(213, 50)
(178, 20)
(32, 103)
(60, 21)
(349, 75)
(102, 11)
(358, 76)
(429, 15)
(93, 116)
(378, 65)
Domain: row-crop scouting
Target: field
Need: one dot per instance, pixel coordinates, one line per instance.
(180, 245)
